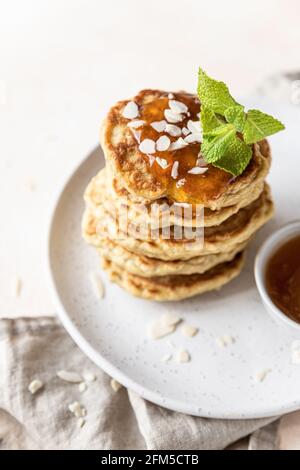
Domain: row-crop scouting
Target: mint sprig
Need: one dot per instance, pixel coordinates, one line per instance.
(229, 131)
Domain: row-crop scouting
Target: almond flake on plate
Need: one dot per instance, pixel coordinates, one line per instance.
(130, 110)
(189, 330)
(35, 385)
(116, 386)
(136, 124)
(174, 171)
(97, 285)
(172, 117)
(183, 356)
(162, 162)
(163, 143)
(197, 170)
(147, 146)
(180, 183)
(170, 319)
(159, 126)
(166, 358)
(261, 375)
(178, 107)
(173, 130)
(69, 376)
(178, 144)
(225, 340)
(159, 329)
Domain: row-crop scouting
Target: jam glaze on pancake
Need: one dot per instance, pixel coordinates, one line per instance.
(139, 176)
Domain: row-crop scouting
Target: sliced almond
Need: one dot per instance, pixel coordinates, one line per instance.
(170, 96)
(178, 107)
(170, 318)
(159, 126)
(69, 376)
(185, 131)
(162, 162)
(180, 183)
(82, 387)
(197, 170)
(130, 110)
(116, 386)
(172, 117)
(159, 329)
(35, 385)
(166, 358)
(192, 138)
(97, 285)
(174, 171)
(178, 144)
(261, 375)
(147, 146)
(173, 130)
(163, 143)
(136, 124)
(189, 330)
(77, 409)
(183, 356)
(194, 126)
(225, 340)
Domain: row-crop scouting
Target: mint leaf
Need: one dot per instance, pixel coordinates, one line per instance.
(235, 115)
(259, 125)
(213, 94)
(216, 142)
(236, 158)
(209, 120)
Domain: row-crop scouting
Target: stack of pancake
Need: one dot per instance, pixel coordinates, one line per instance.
(152, 146)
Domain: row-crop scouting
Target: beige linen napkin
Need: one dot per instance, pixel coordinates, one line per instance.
(33, 348)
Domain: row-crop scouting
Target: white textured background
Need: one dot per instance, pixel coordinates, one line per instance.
(64, 62)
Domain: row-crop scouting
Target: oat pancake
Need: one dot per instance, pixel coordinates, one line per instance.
(222, 238)
(148, 267)
(144, 177)
(177, 287)
(100, 191)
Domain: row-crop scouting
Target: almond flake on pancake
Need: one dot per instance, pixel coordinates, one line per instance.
(174, 171)
(178, 144)
(131, 110)
(189, 330)
(137, 135)
(170, 96)
(194, 126)
(172, 117)
(173, 130)
(191, 138)
(180, 183)
(151, 159)
(201, 162)
(183, 356)
(159, 126)
(159, 329)
(136, 124)
(178, 107)
(147, 146)
(170, 319)
(185, 131)
(163, 143)
(197, 170)
(162, 162)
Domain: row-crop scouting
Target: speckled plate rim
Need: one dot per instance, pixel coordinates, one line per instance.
(104, 364)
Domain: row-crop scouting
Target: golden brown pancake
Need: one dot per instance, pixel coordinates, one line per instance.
(133, 169)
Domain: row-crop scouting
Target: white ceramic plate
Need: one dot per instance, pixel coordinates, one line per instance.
(218, 382)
